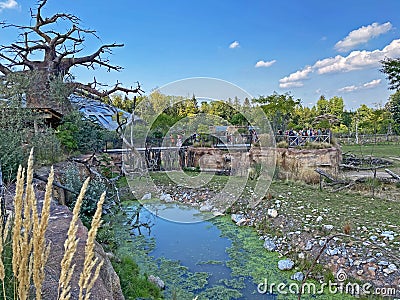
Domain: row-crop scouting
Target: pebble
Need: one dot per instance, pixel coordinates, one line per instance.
(146, 196)
(298, 276)
(272, 213)
(285, 264)
(309, 246)
(270, 245)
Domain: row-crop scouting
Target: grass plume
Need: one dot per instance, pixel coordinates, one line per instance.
(70, 246)
(86, 280)
(30, 250)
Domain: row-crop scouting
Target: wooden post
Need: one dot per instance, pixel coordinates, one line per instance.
(320, 182)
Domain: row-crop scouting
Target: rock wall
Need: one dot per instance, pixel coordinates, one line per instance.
(300, 164)
(285, 163)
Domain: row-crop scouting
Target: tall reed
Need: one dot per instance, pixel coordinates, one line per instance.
(70, 246)
(29, 248)
(86, 280)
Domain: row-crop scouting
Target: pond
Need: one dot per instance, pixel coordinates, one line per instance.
(198, 250)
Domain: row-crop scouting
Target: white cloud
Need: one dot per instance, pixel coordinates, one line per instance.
(293, 80)
(367, 85)
(362, 35)
(356, 60)
(234, 45)
(348, 89)
(8, 4)
(264, 64)
(372, 83)
(287, 85)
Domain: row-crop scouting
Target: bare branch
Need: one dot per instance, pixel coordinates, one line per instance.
(90, 90)
(4, 70)
(90, 58)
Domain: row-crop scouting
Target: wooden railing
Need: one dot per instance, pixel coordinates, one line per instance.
(301, 140)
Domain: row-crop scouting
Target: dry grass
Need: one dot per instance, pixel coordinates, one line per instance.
(86, 281)
(29, 247)
(70, 246)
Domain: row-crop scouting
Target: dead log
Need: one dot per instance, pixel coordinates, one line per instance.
(352, 167)
(394, 175)
(326, 175)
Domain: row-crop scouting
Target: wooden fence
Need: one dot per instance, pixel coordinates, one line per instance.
(300, 140)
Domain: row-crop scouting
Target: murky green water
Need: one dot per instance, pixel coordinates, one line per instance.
(213, 259)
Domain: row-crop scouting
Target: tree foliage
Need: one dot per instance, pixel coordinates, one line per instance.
(278, 108)
(394, 107)
(391, 67)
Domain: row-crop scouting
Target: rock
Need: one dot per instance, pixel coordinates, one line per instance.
(272, 213)
(383, 263)
(371, 271)
(146, 196)
(157, 281)
(392, 267)
(236, 217)
(217, 213)
(107, 285)
(166, 197)
(334, 251)
(299, 276)
(328, 227)
(388, 271)
(309, 246)
(206, 207)
(270, 245)
(301, 255)
(373, 238)
(388, 234)
(285, 264)
(360, 272)
(319, 219)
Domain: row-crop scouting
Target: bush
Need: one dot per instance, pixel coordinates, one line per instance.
(78, 134)
(132, 283)
(20, 130)
(73, 180)
(282, 144)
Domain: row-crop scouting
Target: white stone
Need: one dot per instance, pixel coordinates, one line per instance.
(146, 196)
(273, 213)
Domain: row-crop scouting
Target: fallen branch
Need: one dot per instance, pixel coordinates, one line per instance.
(326, 175)
(394, 175)
(352, 167)
(55, 183)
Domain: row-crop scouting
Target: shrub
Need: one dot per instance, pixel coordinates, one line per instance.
(74, 180)
(282, 144)
(133, 284)
(78, 134)
(20, 130)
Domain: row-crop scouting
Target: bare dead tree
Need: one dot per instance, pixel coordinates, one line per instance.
(59, 52)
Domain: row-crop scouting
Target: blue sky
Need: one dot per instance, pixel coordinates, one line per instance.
(308, 48)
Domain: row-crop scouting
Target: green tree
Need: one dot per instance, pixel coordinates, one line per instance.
(336, 106)
(278, 108)
(394, 108)
(322, 105)
(391, 67)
